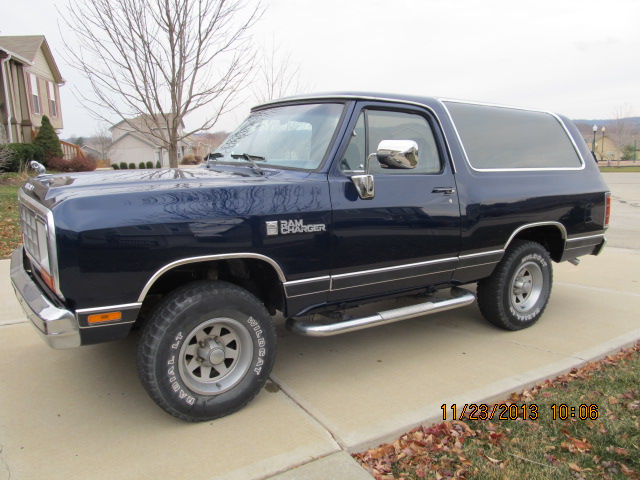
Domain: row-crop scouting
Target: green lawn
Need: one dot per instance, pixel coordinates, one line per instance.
(587, 427)
(620, 169)
(9, 226)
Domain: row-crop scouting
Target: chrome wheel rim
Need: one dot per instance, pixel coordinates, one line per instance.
(526, 287)
(215, 356)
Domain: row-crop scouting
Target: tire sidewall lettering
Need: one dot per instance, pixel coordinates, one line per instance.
(261, 343)
(172, 377)
(534, 257)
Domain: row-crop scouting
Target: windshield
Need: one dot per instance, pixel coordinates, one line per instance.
(295, 136)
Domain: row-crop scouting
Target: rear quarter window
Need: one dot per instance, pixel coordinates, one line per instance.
(502, 138)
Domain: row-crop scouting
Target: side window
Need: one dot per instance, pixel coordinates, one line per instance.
(35, 94)
(373, 126)
(499, 138)
(385, 125)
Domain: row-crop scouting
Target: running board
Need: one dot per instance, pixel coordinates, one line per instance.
(461, 298)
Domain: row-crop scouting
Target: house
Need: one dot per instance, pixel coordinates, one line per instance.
(138, 139)
(29, 86)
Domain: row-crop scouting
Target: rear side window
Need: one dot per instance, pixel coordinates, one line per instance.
(496, 138)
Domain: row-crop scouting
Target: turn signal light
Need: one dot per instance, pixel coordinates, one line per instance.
(48, 279)
(104, 317)
(607, 208)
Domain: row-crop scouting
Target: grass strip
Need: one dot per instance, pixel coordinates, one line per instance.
(586, 426)
(10, 236)
(620, 169)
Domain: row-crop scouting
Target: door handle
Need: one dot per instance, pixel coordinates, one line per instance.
(444, 190)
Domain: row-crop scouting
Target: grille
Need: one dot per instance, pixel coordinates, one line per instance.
(34, 234)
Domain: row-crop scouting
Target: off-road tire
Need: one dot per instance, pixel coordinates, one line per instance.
(206, 350)
(518, 291)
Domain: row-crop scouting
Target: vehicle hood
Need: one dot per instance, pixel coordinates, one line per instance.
(53, 189)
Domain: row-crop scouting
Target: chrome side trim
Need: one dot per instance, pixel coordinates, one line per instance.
(206, 258)
(427, 274)
(587, 237)
(308, 280)
(321, 284)
(544, 169)
(126, 306)
(389, 269)
(472, 255)
(563, 231)
(51, 237)
(315, 292)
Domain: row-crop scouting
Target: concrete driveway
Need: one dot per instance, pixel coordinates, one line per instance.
(83, 414)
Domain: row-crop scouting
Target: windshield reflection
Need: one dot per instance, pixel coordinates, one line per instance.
(294, 136)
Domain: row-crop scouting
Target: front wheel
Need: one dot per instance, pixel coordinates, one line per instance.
(517, 292)
(206, 351)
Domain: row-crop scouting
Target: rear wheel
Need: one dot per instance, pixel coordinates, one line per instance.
(516, 294)
(206, 351)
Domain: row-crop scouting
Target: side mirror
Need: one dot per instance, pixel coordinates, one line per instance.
(398, 154)
(390, 154)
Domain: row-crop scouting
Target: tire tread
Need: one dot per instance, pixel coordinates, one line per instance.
(151, 336)
(491, 288)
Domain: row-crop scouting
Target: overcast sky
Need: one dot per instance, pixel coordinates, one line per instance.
(580, 58)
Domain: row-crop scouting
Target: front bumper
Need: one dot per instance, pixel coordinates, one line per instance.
(57, 327)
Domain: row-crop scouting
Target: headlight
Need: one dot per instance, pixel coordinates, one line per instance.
(38, 235)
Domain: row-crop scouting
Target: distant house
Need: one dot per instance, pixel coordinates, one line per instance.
(135, 140)
(29, 86)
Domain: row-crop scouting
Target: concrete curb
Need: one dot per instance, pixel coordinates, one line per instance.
(348, 468)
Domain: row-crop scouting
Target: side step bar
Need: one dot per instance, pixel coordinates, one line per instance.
(461, 298)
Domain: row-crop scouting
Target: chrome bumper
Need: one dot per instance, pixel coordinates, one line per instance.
(600, 247)
(57, 327)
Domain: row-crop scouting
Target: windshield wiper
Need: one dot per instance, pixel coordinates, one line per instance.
(250, 158)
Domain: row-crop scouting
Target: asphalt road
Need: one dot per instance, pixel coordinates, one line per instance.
(624, 231)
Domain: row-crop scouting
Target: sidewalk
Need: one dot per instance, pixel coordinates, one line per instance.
(82, 413)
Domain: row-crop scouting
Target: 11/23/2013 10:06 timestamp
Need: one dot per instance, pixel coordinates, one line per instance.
(502, 411)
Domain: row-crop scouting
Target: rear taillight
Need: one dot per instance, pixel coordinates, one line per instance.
(607, 209)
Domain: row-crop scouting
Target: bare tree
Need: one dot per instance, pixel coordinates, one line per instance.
(213, 139)
(277, 75)
(102, 141)
(160, 60)
(621, 131)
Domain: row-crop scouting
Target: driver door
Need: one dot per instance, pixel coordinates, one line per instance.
(408, 235)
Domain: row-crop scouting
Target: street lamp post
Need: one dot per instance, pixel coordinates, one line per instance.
(593, 145)
(602, 151)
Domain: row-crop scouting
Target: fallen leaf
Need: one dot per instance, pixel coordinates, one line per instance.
(574, 467)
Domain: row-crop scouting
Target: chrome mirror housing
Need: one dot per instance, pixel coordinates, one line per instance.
(38, 167)
(398, 153)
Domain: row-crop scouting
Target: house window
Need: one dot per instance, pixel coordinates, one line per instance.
(35, 97)
(53, 104)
